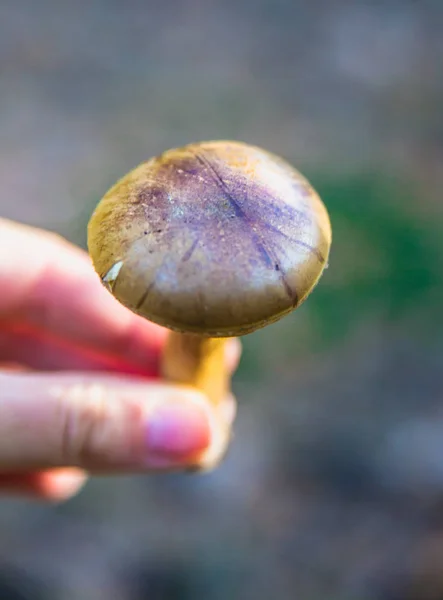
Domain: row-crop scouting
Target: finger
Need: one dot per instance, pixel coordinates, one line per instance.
(55, 485)
(102, 422)
(228, 410)
(233, 354)
(38, 350)
(50, 283)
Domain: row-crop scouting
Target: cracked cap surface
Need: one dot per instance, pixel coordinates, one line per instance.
(217, 238)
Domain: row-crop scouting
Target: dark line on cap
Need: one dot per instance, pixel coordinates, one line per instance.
(258, 242)
(187, 255)
(289, 290)
(311, 249)
(144, 296)
(261, 247)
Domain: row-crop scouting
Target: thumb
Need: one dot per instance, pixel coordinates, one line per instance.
(102, 423)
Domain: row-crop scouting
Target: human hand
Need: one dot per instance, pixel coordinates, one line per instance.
(79, 377)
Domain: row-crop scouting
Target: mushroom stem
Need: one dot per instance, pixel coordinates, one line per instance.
(198, 361)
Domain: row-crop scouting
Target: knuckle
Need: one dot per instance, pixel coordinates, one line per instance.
(85, 418)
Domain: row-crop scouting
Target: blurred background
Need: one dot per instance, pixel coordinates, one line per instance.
(333, 486)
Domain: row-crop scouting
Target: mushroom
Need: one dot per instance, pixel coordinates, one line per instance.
(212, 240)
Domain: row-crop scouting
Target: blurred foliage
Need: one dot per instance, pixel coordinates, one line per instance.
(385, 260)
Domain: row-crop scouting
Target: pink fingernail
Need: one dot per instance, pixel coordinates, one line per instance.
(177, 432)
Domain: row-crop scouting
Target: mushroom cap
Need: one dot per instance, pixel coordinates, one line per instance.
(217, 238)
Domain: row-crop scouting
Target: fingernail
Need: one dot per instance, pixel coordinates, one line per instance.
(177, 432)
(233, 351)
(62, 485)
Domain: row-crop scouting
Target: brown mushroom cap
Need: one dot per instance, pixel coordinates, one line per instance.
(216, 238)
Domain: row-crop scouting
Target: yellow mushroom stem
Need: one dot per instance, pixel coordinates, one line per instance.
(198, 361)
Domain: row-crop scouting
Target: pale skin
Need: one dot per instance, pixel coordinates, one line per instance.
(79, 386)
